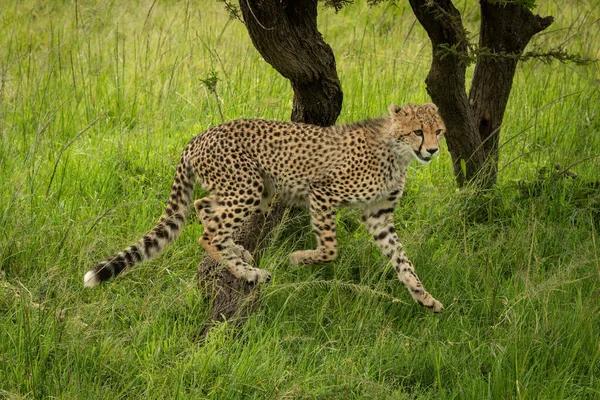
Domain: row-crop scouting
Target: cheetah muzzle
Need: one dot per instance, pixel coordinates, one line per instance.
(244, 163)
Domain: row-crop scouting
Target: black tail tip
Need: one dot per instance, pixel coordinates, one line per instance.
(100, 273)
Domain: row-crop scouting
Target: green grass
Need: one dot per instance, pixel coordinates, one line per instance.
(97, 99)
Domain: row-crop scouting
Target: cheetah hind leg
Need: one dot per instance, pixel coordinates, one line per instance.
(218, 238)
(243, 253)
(205, 242)
(204, 212)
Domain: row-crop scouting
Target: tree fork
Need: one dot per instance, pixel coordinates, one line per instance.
(473, 122)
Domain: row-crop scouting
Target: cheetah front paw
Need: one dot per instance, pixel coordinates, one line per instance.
(432, 305)
(436, 307)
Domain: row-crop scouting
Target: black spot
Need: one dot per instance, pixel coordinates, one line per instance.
(148, 243)
(129, 258)
(382, 235)
(381, 212)
(118, 264)
(319, 198)
(135, 252)
(161, 232)
(172, 225)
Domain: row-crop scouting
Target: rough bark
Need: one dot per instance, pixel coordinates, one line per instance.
(473, 122)
(286, 35)
(505, 30)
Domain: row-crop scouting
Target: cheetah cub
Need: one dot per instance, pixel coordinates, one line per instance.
(243, 163)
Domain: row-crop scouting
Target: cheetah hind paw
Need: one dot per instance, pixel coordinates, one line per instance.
(243, 254)
(256, 275)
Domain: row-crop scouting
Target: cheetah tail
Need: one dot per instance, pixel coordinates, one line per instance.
(154, 242)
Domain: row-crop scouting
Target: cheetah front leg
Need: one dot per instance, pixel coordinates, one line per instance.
(378, 219)
(322, 214)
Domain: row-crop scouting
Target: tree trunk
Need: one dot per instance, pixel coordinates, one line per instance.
(505, 29)
(286, 35)
(473, 123)
(233, 299)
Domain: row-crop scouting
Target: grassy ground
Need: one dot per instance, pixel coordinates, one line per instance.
(98, 98)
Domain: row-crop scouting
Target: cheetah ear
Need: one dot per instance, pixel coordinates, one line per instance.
(396, 111)
(431, 105)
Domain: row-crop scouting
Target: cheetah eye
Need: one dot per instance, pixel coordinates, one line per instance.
(418, 132)
(438, 132)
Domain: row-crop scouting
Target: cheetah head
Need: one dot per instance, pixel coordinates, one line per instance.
(416, 130)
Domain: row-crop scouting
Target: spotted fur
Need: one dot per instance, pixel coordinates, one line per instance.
(243, 163)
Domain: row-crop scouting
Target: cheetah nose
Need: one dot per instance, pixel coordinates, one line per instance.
(432, 151)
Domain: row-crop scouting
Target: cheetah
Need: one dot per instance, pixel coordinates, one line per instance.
(243, 163)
